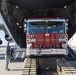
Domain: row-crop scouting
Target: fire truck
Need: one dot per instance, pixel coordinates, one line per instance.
(46, 36)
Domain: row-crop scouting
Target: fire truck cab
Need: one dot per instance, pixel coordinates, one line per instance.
(46, 36)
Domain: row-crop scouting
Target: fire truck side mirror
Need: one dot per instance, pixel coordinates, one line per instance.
(25, 26)
(25, 21)
(67, 24)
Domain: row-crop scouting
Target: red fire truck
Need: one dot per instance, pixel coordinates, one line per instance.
(46, 36)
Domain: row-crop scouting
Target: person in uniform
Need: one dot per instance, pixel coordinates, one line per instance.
(7, 56)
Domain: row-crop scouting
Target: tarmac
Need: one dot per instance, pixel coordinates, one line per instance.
(16, 68)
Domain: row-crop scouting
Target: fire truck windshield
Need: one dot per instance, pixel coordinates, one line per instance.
(43, 27)
(46, 25)
(53, 24)
(40, 25)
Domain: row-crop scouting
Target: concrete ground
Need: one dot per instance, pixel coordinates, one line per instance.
(16, 68)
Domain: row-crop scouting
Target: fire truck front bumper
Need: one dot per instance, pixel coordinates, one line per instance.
(46, 52)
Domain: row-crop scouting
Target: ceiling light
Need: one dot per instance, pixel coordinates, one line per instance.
(17, 7)
(47, 68)
(65, 6)
(17, 23)
(20, 27)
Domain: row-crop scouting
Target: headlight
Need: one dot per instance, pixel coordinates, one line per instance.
(64, 45)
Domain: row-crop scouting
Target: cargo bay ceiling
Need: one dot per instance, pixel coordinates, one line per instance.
(33, 4)
(28, 8)
(18, 10)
